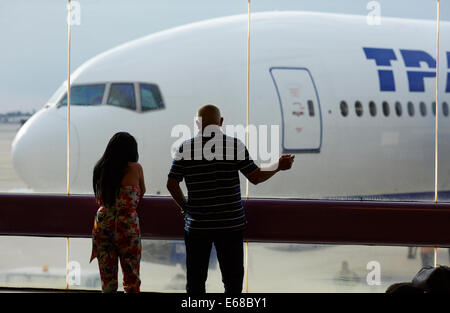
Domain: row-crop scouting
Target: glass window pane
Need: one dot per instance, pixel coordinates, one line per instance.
(423, 109)
(443, 111)
(335, 268)
(344, 108)
(445, 108)
(358, 108)
(9, 179)
(151, 98)
(411, 108)
(122, 95)
(395, 146)
(372, 108)
(41, 263)
(398, 108)
(162, 267)
(311, 108)
(386, 108)
(85, 95)
(34, 262)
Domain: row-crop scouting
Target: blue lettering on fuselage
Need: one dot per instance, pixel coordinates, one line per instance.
(383, 57)
(413, 60)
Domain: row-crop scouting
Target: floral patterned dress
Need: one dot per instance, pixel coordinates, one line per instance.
(116, 236)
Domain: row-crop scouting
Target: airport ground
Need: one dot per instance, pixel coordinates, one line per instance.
(41, 262)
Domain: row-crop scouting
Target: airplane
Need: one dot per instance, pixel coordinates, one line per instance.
(354, 102)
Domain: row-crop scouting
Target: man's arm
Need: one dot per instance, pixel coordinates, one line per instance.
(261, 175)
(174, 188)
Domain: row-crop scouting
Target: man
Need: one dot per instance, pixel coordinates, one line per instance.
(210, 164)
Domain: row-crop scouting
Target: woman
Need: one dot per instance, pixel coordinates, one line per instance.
(118, 183)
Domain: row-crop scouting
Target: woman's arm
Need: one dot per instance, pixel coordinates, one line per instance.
(141, 180)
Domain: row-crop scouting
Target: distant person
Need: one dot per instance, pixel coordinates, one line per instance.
(118, 183)
(427, 256)
(213, 210)
(346, 274)
(412, 252)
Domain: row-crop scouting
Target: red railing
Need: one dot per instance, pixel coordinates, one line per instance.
(269, 220)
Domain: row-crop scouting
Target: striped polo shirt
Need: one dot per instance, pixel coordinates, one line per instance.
(210, 167)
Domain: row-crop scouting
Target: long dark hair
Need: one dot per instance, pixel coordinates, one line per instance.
(110, 169)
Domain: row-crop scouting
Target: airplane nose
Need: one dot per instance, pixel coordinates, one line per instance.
(39, 152)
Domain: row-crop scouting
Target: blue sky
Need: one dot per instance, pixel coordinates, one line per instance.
(34, 46)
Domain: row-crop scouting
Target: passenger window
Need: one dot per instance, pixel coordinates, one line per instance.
(445, 108)
(85, 95)
(358, 108)
(386, 108)
(122, 95)
(151, 98)
(311, 108)
(423, 109)
(433, 108)
(372, 108)
(398, 108)
(411, 108)
(344, 108)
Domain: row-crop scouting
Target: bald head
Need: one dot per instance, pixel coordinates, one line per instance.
(210, 115)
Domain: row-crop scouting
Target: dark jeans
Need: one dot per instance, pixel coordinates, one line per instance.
(230, 254)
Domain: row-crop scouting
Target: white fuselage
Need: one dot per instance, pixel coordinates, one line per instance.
(296, 57)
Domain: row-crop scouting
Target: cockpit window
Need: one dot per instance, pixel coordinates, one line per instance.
(151, 98)
(85, 95)
(122, 95)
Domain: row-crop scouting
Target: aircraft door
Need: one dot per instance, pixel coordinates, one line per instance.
(300, 109)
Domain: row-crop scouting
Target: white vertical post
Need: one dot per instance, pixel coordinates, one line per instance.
(436, 152)
(248, 131)
(68, 96)
(69, 18)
